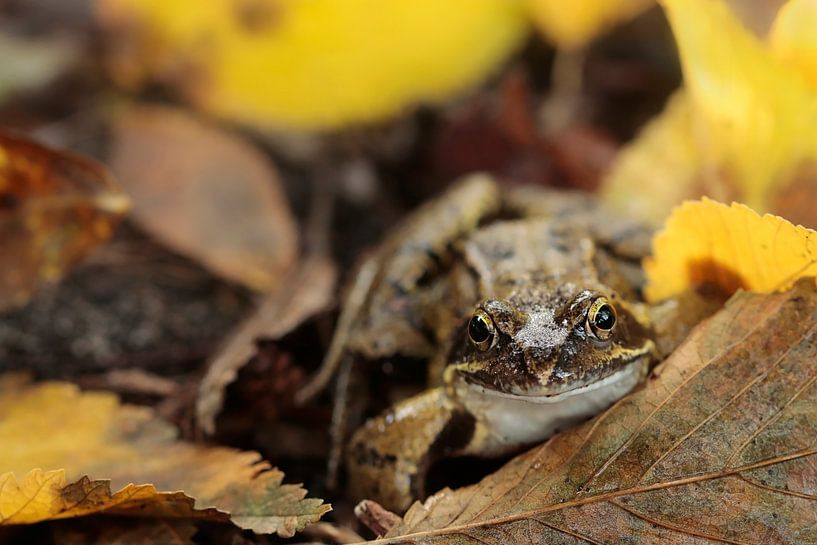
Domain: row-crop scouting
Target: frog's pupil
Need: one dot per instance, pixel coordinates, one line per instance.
(605, 319)
(478, 329)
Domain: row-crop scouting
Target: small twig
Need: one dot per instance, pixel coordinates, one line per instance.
(376, 517)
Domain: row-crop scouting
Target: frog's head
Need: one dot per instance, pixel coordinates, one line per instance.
(546, 344)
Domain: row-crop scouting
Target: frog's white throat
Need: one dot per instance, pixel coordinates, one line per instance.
(505, 422)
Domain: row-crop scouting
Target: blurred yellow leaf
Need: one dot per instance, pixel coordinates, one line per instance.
(761, 119)
(54, 207)
(572, 24)
(72, 434)
(748, 130)
(793, 38)
(665, 153)
(706, 242)
(312, 64)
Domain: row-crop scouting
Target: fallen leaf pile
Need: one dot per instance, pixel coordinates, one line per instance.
(262, 148)
(54, 207)
(691, 458)
(82, 453)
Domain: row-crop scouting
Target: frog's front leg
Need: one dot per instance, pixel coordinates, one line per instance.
(389, 457)
(384, 313)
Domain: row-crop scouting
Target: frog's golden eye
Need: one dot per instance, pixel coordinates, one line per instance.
(601, 318)
(481, 330)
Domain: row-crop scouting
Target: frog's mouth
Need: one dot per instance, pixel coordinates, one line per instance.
(619, 383)
(509, 420)
(627, 369)
(623, 365)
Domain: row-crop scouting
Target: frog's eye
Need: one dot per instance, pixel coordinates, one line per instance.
(481, 330)
(601, 318)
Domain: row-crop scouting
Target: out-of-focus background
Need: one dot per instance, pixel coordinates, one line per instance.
(261, 145)
(249, 133)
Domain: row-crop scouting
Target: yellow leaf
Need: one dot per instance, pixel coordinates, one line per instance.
(760, 115)
(61, 436)
(750, 126)
(311, 64)
(793, 38)
(729, 246)
(572, 24)
(661, 164)
(45, 495)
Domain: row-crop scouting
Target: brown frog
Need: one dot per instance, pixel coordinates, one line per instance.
(526, 304)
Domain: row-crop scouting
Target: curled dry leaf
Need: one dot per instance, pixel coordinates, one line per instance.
(72, 435)
(54, 207)
(308, 290)
(718, 447)
(205, 193)
(706, 242)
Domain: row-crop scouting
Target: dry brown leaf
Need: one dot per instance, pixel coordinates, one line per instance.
(205, 193)
(54, 207)
(309, 290)
(72, 435)
(718, 447)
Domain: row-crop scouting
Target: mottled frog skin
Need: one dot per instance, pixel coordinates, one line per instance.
(526, 304)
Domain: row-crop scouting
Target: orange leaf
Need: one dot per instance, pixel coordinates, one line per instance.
(54, 207)
(729, 246)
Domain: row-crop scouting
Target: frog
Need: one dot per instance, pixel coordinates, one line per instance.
(526, 305)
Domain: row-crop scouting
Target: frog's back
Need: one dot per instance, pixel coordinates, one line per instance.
(520, 255)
